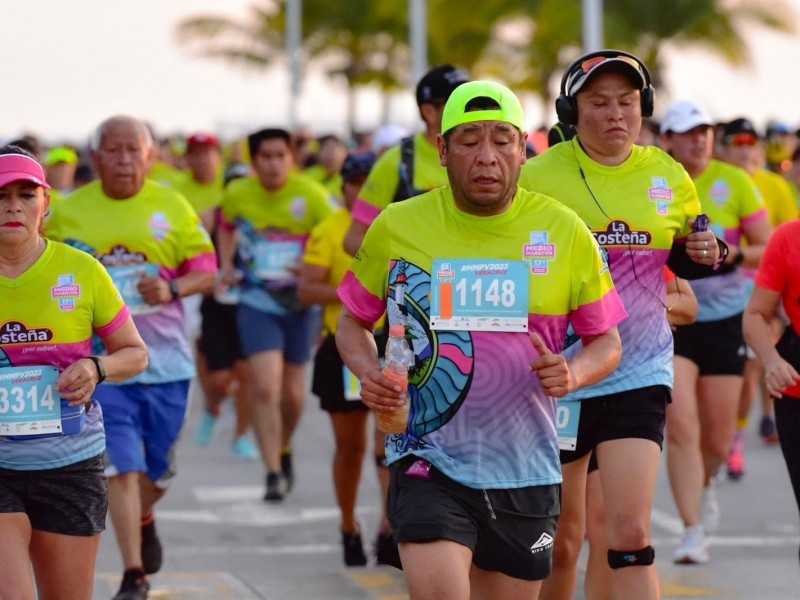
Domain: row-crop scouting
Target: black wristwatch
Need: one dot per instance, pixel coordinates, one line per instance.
(174, 289)
(739, 258)
(101, 370)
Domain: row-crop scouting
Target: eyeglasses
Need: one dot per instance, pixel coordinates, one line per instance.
(741, 139)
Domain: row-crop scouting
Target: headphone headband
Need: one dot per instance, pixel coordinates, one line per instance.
(610, 54)
(579, 71)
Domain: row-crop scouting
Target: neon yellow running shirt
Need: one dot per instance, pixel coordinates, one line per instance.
(470, 387)
(638, 210)
(50, 314)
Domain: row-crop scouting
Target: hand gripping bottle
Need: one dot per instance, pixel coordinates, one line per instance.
(396, 368)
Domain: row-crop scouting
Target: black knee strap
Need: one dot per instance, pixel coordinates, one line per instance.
(638, 558)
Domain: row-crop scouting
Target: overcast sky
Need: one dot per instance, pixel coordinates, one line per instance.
(68, 65)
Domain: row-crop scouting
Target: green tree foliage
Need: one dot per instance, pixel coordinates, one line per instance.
(360, 40)
(525, 43)
(714, 25)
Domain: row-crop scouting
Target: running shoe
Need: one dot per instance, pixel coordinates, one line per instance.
(277, 487)
(288, 469)
(693, 549)
(709, 512)
(353, 548)
(735, 464)
(205, 431)
(386, 552)
(244, 448)
(152, 552)
(768, 431)
(736, 457)
(134, 586)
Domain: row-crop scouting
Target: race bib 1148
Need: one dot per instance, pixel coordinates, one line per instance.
(480, 295)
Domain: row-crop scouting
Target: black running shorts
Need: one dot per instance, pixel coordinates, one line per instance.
(510, 531)
(639, 413)
(69, 500)
(716, 347)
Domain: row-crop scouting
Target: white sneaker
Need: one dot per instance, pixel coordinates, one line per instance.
(693, 549)
(709, 512)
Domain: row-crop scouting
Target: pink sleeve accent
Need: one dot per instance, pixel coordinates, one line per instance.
(599, 316)
(364, 212)
(116, 323)
(359, 301)
(755, 217)
(206, 262)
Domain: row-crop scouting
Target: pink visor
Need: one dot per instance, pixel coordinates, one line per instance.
(18, 167)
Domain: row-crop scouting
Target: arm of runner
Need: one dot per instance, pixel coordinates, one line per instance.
(156, 290)
(756, 324)
(681, 302)
(313, 287)
(357, 348)
(757, 234)
(598, 359)
(127, 356)
(227, 242)
(354, 238)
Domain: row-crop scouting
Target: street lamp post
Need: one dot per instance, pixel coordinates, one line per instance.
(294, 44)
(592, 25)
(418, 36)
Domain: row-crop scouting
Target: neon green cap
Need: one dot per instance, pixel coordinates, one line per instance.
(61, 154)
(455, 112)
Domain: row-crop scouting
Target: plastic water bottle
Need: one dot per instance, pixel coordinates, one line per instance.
(395, 367)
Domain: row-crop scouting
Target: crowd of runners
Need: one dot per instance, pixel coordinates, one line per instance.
(636, 277)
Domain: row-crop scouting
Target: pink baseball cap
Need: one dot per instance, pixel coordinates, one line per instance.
(18, 167)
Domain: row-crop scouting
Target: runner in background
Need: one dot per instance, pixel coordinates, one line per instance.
(221, 366)
(328, 167)
(153, 245)
(743, 147)
(265, 222)
(61, 164)
(162, 166)
(710, 353)
(201, 185)
(324, 266)
(778, 282)
(412, 167)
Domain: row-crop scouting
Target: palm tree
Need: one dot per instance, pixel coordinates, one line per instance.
(360, 40)
(554, 36)
(715, 25)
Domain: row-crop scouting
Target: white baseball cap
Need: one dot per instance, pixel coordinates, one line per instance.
(685, 115)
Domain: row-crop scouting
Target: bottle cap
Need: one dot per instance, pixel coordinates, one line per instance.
(397, 331)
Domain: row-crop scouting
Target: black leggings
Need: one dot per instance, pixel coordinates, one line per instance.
(787, 418)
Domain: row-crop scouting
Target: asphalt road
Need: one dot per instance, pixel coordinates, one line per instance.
(223, 542)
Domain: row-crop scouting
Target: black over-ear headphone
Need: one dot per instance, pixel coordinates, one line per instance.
(567, 106)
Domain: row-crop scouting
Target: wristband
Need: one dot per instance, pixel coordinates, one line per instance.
(739, 258)
(101, 370)
(174, 289)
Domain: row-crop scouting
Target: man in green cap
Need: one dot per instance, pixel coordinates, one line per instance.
(485, 277)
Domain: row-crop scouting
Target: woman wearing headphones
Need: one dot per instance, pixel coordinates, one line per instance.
(640, 205)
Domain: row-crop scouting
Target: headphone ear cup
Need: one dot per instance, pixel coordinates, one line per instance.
(648, 101)
(567, 110)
